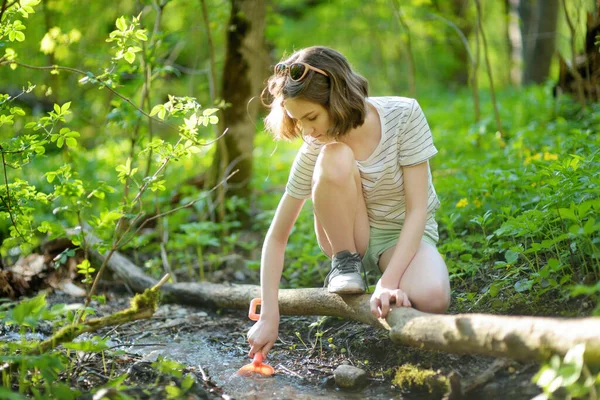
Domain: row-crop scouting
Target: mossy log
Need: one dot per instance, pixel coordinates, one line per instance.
(516, 337)
(142, 306)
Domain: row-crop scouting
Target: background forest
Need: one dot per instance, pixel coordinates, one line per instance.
(141, 121)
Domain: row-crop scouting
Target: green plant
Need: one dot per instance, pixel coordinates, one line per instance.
(570, 373)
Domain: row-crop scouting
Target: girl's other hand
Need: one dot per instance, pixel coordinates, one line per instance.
(262, 336)
(382, 298)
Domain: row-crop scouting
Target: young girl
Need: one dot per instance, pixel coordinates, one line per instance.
(364, 165)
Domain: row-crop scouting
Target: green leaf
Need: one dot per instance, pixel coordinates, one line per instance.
(567, 213)
(494, 289)
(122, 23)
(17, 111)
(511, 256)
(65, 107)
(71, 142)
(129, 57)
(57, 108)
(141, 35)
(156, 109)
(187, 383)
(28, 309)
(19, 36)
(466, 257)
(10, 395)
(173, 392)
(523, 285)
(86, 345)
(575, 229)
(554, 264)
(589, 226)
(209, 111)
(60, 142)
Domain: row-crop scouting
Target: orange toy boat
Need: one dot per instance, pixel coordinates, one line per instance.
(256, 366)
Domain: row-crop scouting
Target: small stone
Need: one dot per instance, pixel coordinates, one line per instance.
(235, 262)
(492, 389)
(239, 276)
(347, 376)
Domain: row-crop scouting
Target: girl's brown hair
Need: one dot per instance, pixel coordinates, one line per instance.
(342, 93)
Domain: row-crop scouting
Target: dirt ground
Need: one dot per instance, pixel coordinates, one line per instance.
(308, 351)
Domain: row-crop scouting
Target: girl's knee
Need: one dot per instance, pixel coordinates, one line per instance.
(335, 163)
(435, 299)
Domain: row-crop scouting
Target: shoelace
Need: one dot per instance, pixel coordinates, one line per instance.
(345, 267)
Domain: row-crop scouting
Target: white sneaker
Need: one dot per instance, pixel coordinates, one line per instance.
(345, 275)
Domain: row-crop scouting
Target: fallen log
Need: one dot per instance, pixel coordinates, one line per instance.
(516, 337)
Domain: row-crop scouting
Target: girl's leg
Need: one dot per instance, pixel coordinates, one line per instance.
(341, 221)
(426, 280)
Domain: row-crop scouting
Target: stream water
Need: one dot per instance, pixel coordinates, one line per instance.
(195, 350)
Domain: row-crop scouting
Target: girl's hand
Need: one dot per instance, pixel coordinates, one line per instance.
(383, 296)
(262, 336)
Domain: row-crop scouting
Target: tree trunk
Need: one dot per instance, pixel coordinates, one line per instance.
(580, 76)
(519, 338)
(244, 71)
(515, 42)
(538, 33)
(459, 13)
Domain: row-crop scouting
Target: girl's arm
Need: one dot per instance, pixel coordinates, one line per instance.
(273, 251)
(416, 189)
(263, 334)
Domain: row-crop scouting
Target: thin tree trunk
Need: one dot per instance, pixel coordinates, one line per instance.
(489, 68)
(574, 69)
(538, 33)
(242, 81)
(515, 41)
(218, 170)
(475, 80)
(412, 79)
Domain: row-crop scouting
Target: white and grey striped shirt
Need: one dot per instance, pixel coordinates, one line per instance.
(405, 140)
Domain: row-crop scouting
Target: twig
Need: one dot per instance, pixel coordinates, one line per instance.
(486, 375)
(6, 6)
(191, 203)
(77, 71)
(136, 345)
(7, 202)
(205, 378)
(290, 372)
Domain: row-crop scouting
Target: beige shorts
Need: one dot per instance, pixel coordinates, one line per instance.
(381, 240)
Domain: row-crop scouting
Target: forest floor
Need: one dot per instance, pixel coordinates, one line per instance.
(211, 346)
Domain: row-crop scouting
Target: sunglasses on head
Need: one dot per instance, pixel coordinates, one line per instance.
(297, 71)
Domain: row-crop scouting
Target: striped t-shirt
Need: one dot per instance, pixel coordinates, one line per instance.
(405, 140)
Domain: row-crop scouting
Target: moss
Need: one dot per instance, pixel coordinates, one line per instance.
(142, 306)
(411, 378)
(146, 300)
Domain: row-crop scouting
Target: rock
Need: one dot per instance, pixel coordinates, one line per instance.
(492, 389)
(239, 276)
(347, 376)
(234, 262)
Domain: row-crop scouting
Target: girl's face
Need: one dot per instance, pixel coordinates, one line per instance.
(311, 118)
